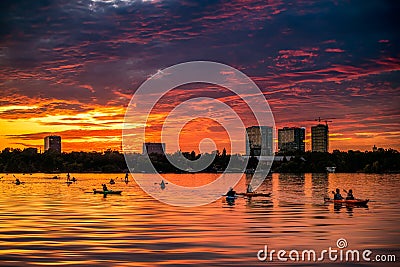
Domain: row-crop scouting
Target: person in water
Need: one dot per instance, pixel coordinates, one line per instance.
(112, 181)
(126, 177)
(337, 195)
(105, 187)
(231, 192)
(350, 195)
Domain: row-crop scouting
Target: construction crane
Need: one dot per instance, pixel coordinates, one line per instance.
(326, 120)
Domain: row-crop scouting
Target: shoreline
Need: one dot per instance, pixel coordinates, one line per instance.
(123, 173)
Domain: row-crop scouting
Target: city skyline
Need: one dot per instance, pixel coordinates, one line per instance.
(70, 69)
(291, 139)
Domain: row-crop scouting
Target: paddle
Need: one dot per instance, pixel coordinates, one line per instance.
(345, 191)
(18, 180)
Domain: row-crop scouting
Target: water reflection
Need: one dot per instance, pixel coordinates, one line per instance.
(320, 184)
(45, 221)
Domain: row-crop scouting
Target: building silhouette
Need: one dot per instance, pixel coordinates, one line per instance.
(52, 143)
(259, 141)
(320, 138)
(291, 139)
(153, 148)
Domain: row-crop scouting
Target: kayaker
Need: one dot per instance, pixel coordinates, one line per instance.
(249, 189)
(17, 181)
(231, 192)
(349, 195)
(105, 187)
(337, 195)
(112, 181)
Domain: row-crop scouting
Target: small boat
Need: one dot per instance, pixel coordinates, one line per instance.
(360, 202)
(114, 192)
(254, 194)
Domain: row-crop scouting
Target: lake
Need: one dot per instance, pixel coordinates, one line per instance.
(46, 222)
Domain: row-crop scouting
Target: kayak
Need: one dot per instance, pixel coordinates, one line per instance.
(254, 194)
(107, 192)
(348, 201)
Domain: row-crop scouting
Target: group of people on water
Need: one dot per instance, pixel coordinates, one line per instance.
(126, 179)
(232, 193)
(338, 196)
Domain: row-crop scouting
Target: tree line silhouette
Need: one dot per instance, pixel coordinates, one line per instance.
(27, 161)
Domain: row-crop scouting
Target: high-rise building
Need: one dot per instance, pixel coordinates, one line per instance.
(53, 143)
(291, 139)
(153, 148)
(259, 141)
(320, 138)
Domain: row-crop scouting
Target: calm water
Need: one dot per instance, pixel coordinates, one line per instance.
(46, 222)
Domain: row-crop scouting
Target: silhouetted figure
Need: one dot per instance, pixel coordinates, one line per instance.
(350, 195)
(162, 185)
(249, 189)
(112, 181)
(105, 187)
(337, 195)
(17, 181)
(126, 177)
(231, 192)
(68, 177)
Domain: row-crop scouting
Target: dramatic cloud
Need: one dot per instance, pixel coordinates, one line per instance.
(71, 67)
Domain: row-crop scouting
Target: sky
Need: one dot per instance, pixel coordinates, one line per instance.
(70, 68)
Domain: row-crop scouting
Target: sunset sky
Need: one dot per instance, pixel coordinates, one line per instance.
(70, 68)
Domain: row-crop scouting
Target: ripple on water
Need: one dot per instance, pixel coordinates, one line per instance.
(47, 222)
